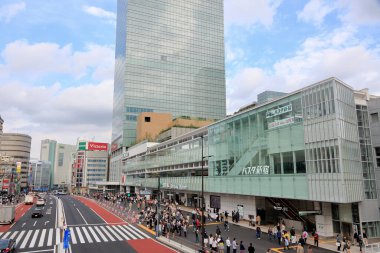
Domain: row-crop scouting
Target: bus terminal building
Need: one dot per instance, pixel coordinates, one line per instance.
(311, 157)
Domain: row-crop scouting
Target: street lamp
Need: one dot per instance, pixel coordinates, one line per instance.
(203, 201)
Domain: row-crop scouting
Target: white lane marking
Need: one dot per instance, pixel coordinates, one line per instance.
(82, 216)
(139, 232)
(19, 237)
(132, 231)
(73, 238)
(80, 235)
(128, 233)
(101, 234)
(108, 234)
(50, 237)
(34, 239)
(34, 223)
(24, 242)
(57, 236)
(114, 233)
(37, 251)
(6, 235)
(1, 233)
(42, 238)
(94, 234)
(14, 235)
(89, 239)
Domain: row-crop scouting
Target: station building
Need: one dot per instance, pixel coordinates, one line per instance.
(308, 157)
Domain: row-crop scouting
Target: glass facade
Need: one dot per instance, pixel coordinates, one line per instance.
(169, 58)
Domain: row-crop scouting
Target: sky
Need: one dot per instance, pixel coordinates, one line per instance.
(57, 58)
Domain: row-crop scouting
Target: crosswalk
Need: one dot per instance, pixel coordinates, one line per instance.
(40, 238)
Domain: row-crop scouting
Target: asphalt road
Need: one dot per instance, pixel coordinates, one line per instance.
(89, 230)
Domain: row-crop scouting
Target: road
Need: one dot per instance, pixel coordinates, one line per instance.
(93, 229)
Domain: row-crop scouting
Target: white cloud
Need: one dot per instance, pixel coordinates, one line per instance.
(56, 112)
(24, 60)
(361, 12)
(315, 11)
(7, 12)
(247, 13)
(99, 12)
(338, 54)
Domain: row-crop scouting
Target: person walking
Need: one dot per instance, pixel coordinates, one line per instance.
(338, 241)
(221, 246)
(360, 242)
(279, 235)
(242, 248)
(304, 236)
(228, 245)
(210, 240)
(286, 243)
(310, 249)
(215, 244)
(196, 236)
(299, 248)
(365, 238)
(316, 239)
(258, 233)
(234, 246)
(251, 249)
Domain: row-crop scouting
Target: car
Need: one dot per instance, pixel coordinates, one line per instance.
(40, 202)
(37, 213)
(7, 245)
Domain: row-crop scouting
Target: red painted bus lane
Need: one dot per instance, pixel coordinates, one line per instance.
(148, 246)
(19, 212)
(106, 215)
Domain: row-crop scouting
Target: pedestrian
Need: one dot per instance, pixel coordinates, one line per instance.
(226, 214)
(305, 235)
(258, 233)
(215, 244)
(299, 249)
(221, 246)
(268, 251)
(338, 241)
(310, 249)
(196, 236)
(316, 239)
(279, 236)
(233, 216)
(360, 241)
(226, 225)
(258, 220)
(218, 232)
(365, 239)
(251, 249)
(228, 245)
(234, 246)
(184, 228)
(286, 243)
(356, 238)
(270, 233)
(241, 246)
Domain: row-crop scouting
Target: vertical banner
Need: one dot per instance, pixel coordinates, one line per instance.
(18, 167)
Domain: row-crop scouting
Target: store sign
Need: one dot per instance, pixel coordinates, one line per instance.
(255, 170)
(282, 122)
(82, 145)
(174, 186)
(114, 147)
(279, 111)
(18, 167)
(97, 146)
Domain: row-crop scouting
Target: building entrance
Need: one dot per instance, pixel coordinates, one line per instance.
(347, 229)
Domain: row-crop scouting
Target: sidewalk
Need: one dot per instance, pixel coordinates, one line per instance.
(324, 242)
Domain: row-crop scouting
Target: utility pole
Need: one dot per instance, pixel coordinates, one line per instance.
(158, 208)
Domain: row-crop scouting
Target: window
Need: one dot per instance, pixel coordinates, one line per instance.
(377, 151)
(147, 119)
(375, 117)
(60, 159)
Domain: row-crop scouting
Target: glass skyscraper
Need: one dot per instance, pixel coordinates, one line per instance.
(169, 58)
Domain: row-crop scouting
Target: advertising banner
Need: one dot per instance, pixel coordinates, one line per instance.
(18, 167)
(6, 182)
(97, 146)
(82, 145)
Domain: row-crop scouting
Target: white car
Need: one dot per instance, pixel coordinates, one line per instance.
(40, 202)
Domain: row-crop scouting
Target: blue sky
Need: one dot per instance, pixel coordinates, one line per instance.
(57, 57)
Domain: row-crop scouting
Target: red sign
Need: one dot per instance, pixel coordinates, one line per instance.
(114, 146)
(97, 146)
(5, 183)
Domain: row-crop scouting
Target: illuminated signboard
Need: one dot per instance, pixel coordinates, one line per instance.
(279, 111)
(281, 122)
(97, 146)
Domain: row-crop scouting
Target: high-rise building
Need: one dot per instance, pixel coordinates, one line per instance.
(169, 58)
(60, 157)
(39, 178)
(1, 125)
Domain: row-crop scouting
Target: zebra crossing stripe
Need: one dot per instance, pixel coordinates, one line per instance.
(19, 237)
(94, 234)
(13, 235)
(128, 233)
(108, 234)
(131, 231)
(42, 238)
(33, 242)
(6, 235)
(114, 233)
(73, 238)
(25, 241)
(79, 235)
(121, 232)
(89, 239)
(101, 234)
(139, 232)
(50, 237)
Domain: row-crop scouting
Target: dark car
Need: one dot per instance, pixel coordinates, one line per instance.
(37, 213)
(7, 245)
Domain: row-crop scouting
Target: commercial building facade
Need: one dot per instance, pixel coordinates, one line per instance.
(306, 157)
(169, 58)
(61, 158)
(39, 178)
